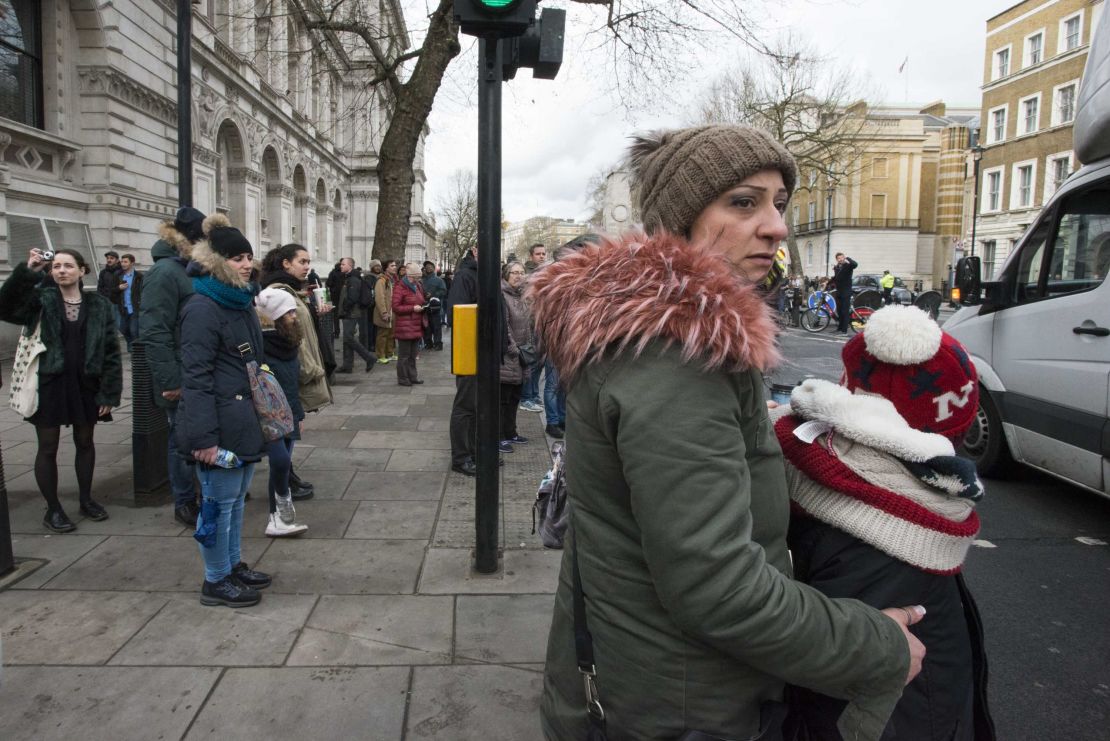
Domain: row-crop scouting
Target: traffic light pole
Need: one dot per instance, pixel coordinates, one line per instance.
(487, 498)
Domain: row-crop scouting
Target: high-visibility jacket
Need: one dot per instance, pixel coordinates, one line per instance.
(887, 281)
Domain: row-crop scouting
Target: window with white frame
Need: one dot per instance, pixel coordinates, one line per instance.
(1034, 48)
(809, 253)
(1063, 106)
(797, 213)
(812, 178)
(988, 249)
(1057, 169)
(812, 212)
(996, 128)
(1030, 113)
(992, 190)
(1071, 29)
(1001, 63)
(1025, 174)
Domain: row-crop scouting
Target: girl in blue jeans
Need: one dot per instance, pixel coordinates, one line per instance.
(220, 334)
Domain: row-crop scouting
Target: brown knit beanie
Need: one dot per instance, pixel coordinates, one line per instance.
(676, 174)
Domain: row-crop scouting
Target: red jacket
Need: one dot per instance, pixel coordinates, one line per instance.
(407, 324)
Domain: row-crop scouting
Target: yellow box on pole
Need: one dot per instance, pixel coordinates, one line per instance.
(464, 340)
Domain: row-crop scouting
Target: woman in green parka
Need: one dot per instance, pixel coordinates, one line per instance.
(678, 494)
(80, 375)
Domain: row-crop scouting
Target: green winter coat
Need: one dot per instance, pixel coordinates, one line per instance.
(680, 510)
(25, 297)
(166, 288)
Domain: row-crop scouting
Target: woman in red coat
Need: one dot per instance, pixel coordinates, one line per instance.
(408, 322)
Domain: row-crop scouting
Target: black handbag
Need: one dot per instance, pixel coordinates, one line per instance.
(528, 354)
(771, 714)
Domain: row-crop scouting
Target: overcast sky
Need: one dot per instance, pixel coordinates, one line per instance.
(558, 133)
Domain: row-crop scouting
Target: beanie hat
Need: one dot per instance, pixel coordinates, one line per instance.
(225, 239)
(189, 221)
(905, 357)
(676, 174)
(274, 303)
(374, 264)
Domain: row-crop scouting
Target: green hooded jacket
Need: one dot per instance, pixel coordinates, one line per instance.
(166, 288)
(680, 510)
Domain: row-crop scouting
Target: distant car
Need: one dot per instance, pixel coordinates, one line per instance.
(870, 282)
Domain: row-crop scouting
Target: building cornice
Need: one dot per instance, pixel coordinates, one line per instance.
(119, 87)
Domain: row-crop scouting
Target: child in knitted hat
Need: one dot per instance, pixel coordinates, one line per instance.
(883, 511)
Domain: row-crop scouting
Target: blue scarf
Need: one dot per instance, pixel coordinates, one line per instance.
(411, 286)
(223, 294)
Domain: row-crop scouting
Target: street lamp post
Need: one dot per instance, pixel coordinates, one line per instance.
(977, 156)
(828, 232)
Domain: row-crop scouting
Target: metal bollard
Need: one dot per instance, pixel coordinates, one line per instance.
(149, 431)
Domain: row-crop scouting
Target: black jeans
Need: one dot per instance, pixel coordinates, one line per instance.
(433, 333)
(843, 308)
(463, 419)
(510, 398)
(406, 362)
(351, 344)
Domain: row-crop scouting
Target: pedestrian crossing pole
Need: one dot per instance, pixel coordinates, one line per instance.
(487, 493)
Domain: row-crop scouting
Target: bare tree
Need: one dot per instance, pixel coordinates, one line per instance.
(645, 44)
(457, 213)
(816, 109)
(595, 197)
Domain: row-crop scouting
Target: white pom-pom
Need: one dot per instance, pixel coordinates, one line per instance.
(902, 335)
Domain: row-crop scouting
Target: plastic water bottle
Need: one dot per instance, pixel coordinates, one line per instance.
(226, 459)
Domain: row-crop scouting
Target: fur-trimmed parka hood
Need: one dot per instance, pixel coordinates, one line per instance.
(206, 260)
(175, 239)
(627, 292)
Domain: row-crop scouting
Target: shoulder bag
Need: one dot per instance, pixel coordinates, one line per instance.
(771, 714)
(23, 396)
(275, 416)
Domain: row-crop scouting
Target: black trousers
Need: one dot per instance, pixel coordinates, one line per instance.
(510, 398)
(887, 295)
(351, 344)
(433, 332)
(464, 419)
(843, 308)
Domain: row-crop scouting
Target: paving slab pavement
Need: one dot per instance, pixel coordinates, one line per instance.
(376, 627)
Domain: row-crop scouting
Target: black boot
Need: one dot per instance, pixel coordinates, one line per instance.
(229, 592)
(299, 489)
(93, 511)
(57, 521)
(187, 513)
(248, 577)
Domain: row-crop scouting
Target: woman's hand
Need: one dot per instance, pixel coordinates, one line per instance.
(104, 410)
(905, 617)
(35, 260)
(417, 309)
(324, 308)
(208, 456)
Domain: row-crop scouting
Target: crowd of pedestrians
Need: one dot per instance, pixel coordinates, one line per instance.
(743, 570)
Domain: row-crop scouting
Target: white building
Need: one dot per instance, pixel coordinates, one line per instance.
(285, 127)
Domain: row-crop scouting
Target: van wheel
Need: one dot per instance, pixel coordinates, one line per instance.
(985, 442)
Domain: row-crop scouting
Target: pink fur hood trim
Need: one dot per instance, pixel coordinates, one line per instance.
(630, 291)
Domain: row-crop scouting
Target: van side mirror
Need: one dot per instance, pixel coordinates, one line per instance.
(967, 288)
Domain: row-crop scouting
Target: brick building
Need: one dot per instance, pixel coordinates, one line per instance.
(1034, 58)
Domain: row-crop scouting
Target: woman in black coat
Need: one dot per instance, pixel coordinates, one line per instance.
(79, 375)
(217, 426)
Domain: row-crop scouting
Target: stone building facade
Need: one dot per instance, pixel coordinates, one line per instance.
(285, 127)
(1032, 67)
(900, 207)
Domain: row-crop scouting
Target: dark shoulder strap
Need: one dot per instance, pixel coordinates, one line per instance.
(584, 649)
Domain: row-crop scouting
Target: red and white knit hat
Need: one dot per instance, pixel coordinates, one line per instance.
(904, 356)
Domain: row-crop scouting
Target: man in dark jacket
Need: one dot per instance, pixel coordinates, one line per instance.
(130, 290)
(108, 280)
(464, 290)
(351, 314)
(334, 283)
(434, 288)
(842, 279)
(167, 288)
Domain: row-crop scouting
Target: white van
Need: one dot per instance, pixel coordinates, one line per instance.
(1040, 334)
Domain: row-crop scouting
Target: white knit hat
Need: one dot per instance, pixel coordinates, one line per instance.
(274, 303)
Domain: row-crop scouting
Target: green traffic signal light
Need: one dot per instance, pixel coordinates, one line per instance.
(496, 4)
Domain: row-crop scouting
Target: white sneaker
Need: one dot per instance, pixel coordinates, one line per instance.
(278, 529)
(286, 509)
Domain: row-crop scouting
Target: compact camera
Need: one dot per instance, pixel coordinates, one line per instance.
(48, 255)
